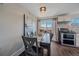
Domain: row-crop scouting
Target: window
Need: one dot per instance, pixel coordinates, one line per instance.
(43, 23)
(30, 28)
(46, 23)
(75, 22)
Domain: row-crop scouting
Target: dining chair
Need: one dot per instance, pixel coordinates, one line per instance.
(30, 49)
(46, 45)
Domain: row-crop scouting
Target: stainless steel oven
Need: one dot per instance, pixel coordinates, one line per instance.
(68, 39)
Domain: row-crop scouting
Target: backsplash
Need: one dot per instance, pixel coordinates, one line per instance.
(74, 28)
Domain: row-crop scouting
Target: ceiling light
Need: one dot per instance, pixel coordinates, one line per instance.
(43, 9)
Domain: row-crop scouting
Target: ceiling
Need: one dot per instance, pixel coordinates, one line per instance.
(52, 8)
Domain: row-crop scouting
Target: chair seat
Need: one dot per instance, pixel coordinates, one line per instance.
(39, 50)
(45, 45)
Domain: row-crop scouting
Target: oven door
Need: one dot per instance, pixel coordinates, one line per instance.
(68, 36)
(68, 39)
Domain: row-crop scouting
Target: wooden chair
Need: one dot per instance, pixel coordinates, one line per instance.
(29, 44)
(51, 36)
(46, 45)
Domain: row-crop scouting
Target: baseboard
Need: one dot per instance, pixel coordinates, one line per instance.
(17, 53)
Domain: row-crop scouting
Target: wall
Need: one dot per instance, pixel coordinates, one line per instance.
(74, 28)
(11, 29)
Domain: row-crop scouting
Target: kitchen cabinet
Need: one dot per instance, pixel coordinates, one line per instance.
(77, 40)
(63, 18)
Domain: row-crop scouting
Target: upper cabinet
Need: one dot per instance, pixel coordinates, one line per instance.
(63, 18)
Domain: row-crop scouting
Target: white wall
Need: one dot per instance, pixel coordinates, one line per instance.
(11, 29)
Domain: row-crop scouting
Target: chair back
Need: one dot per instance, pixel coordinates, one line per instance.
(51, 36)
(29, 43)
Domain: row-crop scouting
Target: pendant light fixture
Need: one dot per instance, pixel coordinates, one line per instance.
(43, 9)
